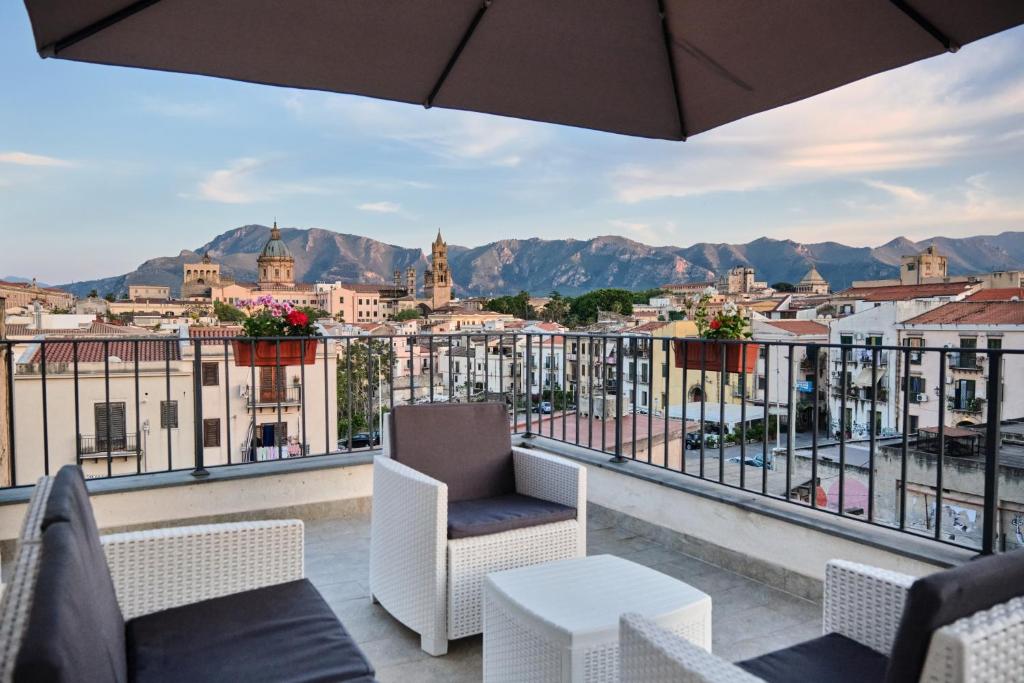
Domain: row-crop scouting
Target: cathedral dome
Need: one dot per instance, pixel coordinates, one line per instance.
(275, 246)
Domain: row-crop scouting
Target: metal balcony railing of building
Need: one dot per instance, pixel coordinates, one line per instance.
(765, 425)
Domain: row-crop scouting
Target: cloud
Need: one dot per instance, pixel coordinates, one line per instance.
(971, 207)
(380, 207)
(902, 192)
(231, 185)
(26, 159)
(457, 137)
(937, 112)
(178, 109)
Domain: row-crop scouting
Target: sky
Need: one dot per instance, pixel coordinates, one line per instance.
(102, 167)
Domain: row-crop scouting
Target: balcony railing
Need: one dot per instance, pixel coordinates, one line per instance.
(767, 440)
(117, 445)
(285, 396)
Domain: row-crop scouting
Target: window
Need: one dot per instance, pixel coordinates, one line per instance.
(664, 369)
(846, 340)
(168, 414)
(995, 343)
(211, 432)
(917, 388)
(967, 358)
(913, 422)
(271, 384)
(963, 395)
(211, 374)
(873, 340)
(277, 272)
(915, 343)
(110, 426)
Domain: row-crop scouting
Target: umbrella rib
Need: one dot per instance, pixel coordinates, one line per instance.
(54, 48)
(429, 102)
(929, 27)
(667, 37)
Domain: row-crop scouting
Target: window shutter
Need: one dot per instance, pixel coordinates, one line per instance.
(109, 420)
(211, 374)
(211, 432)
(168, 414)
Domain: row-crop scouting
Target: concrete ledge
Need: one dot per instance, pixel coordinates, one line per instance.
(320, 486)
(769, 540)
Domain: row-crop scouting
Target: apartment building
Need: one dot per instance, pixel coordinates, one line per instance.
(122, 406)
(967, 325)
(775, 374)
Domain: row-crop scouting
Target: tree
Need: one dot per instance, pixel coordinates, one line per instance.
(784, 286)
(407, 314)
(226, 313)
(556, 310)
(110, 296)
(518, 305)
(93, 294)
(643, 296)
(362, 365)
(585, 307)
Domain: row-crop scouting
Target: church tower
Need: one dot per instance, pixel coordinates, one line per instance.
(410, 281)
(437, 281)
(275, 267)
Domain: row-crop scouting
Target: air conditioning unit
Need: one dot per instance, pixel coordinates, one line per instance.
(859, 336)
(922, 398)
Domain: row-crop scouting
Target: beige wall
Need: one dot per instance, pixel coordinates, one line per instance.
(311, 493)
(790, 546)
(227, 401)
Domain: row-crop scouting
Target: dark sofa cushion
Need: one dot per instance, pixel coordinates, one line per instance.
(69, 499)
(75, 631)
(941, 598)
(833, 658)
(284, 633)
(503, 513)
(467, 446)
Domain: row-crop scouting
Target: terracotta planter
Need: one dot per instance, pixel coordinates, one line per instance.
(266, 353)
(737, 358)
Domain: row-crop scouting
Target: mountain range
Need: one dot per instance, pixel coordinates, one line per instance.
(567, 265)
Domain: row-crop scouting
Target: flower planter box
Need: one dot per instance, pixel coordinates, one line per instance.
(266, 352)
(737, 358)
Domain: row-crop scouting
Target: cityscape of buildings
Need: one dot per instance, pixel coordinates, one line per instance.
(128, 369)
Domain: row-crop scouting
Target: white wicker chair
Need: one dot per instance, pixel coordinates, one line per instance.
(434, 584)
(159, 569)
(862, 603)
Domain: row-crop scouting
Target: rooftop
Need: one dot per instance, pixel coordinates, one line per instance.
(997, 294)
(905, 292)
(973, 312)
(800, 327)
(750, 618)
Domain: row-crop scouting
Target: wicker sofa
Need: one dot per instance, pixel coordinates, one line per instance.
(204, 603)
(962, 625)
(452, 502)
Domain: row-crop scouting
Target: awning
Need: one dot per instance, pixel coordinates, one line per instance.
(863, 378)
(660, 69)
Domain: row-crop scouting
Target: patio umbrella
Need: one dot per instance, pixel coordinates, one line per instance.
(652, 68)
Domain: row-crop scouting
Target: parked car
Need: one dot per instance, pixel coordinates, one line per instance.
(360, 440)
(543, 407)
(693, 441)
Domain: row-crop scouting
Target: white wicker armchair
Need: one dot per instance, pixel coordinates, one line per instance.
(864, 604)
(434, 584)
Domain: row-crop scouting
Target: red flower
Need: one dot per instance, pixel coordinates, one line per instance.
(297, 318)
(715, 323)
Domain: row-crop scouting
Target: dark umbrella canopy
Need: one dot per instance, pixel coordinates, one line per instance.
(660, 69)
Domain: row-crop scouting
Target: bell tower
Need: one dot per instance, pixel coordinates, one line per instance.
(437, 281)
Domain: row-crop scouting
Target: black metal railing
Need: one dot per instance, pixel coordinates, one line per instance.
(788, 421)
(286, 396)
(119, 444)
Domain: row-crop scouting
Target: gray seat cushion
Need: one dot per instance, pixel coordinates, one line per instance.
(833, 658)
(69, 499)
(503, 513)
(75, 630)
(284, 633)
(941, 598)
(468, 446)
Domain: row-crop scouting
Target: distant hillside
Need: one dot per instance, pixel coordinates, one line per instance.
(569, 266)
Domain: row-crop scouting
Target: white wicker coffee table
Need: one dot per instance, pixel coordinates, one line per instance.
(560, 621)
